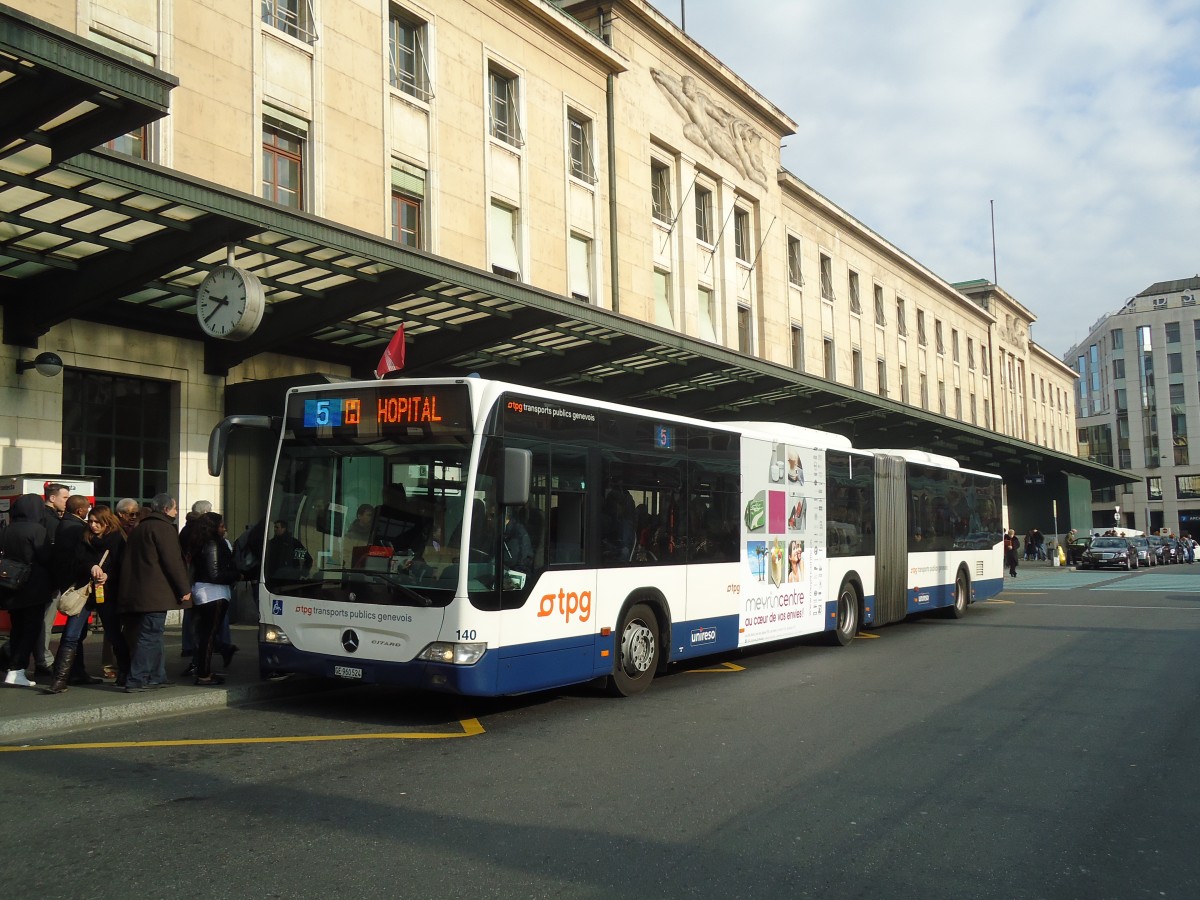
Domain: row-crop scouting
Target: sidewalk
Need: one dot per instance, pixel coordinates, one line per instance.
(30, 713)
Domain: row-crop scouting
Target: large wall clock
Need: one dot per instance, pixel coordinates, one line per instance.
(230, 303)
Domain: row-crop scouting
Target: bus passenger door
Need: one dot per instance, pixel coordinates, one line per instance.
(548, 636)
(891, 540)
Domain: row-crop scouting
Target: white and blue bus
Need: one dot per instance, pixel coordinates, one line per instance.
(485, 538)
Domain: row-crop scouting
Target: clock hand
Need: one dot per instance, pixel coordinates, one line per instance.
(219, 301)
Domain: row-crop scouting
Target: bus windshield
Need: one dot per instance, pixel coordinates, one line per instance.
(377, 523)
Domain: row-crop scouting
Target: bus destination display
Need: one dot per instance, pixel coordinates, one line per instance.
(375, 411)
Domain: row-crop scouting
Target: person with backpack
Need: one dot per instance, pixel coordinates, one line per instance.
(26, 551)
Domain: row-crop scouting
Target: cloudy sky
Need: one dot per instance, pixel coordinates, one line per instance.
(1080, 119)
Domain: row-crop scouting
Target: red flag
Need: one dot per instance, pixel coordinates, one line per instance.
(393, 357)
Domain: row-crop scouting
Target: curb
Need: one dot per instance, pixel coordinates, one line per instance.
(176, 699)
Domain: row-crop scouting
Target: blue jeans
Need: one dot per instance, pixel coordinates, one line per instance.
(144, 634)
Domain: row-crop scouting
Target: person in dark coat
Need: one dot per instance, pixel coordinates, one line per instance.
(154, 580)
(65, 574)
(105, 535)
(25, 540)
(53, 511)
(215, 572)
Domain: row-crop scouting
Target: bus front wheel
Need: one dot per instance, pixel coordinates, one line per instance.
(847, 616)
(637, 652)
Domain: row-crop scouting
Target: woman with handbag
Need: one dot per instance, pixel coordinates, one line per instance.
(26, 544)
(92, 563)
(214, 572)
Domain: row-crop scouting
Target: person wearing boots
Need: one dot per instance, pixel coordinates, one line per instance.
(68, 573)
(25, 540)
(97, 559)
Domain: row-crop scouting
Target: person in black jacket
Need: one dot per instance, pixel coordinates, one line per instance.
(25, 540)
(66, 573)
(213, 573)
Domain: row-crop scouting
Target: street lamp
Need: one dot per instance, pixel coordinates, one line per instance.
(47, 363)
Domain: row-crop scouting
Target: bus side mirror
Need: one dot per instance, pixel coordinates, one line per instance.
(220, 437)
(518, 472)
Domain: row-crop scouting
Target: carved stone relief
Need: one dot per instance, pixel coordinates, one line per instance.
(708, 125)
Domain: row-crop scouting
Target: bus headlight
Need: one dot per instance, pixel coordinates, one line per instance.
(272, 634)
(455, 654)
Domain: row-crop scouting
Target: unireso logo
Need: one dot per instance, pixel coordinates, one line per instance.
(703, 635)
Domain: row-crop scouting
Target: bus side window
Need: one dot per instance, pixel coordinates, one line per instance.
(566, 529)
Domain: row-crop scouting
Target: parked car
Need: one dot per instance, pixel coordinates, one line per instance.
(1146, 555)
(1160, 548)
(1075, 550)
(1109, 552)
(1173, 552)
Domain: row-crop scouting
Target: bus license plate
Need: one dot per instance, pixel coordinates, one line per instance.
(347, 672)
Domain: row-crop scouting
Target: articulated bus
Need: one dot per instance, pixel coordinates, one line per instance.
(484, 538)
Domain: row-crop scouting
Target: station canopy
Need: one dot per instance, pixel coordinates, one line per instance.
(95, 235)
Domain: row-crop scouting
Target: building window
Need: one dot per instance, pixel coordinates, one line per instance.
(745, 329)
(292, 17)
(904, 384)
(134, 143)
(662, 299)
(704, 212)
(1154, 487)
(504, 240)
(1118, 337)
(942, 397)
(505, 121)
(856, 364)
(117, 431)
(1187, 487)
(580, 268)
(408, 197)
(1172, 329)
(954, 344)
(924, 391)
(826, 277)
(881, 376)
(660, 191)
(830, 366)
(1119, 368)
(408, 68)
(283, 163)
(1174, 363)
(880, 318)
(987, 413)
(974, 420)
(958, 403)
(970, 353)
(797, 348)
(707, 314)
(795, 270)
(983, 359)
(855, 301)
(741, 235)
(579, 137)
(901, 323)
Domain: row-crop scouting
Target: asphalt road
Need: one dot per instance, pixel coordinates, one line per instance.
(1043, 746)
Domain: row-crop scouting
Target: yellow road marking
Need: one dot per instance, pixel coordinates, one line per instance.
(471, 728)
(1017, 594)
(724, 667)
(866, 636)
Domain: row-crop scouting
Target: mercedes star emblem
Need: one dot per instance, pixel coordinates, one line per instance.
(349, 641)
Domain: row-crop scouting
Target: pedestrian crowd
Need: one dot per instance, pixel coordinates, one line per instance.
(134, 566)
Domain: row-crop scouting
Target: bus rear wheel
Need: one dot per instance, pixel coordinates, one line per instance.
(637, 652)
(962, 596)
(847, 616)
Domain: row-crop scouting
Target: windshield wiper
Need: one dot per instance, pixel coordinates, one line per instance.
(392, 580)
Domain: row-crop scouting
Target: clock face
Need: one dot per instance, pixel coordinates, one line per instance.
(229, 303)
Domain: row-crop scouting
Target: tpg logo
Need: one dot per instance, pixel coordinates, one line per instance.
(569, 604)
(703, 636)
